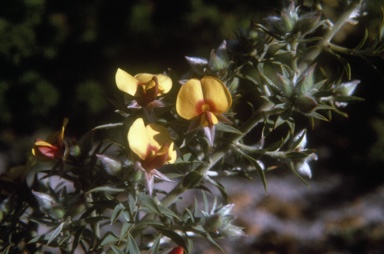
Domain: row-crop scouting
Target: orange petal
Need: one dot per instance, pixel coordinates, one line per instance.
(214, 91)
(138, 139)
(126, 82)
(190, 95)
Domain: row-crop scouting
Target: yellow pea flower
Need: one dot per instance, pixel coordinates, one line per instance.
(145, 87)
(153, 147)
(204, 101)
(53, 147)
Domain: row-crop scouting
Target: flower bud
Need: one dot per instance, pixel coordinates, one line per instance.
(74, 150)
(213, 222)
(177, 250)
(308, 22)
(347, 89)
(48, 205)
(111, 166)
(305, 104)
(219, 59)
(4, 208)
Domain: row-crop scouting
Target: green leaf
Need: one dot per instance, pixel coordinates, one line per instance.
(176, 238)
(167, 212)
(109, 238)
(362, 42)
(275, 145)
(221, 188)
(345, 63)
(285, 85)
(7, 249)
(106, 189)
(153, 207)
(190, 215)
(269, 126)
(318, 116)
(132, 246)
(296, 155)
(270, 83)
(258, 168)
(119, 208)
(209, 237)
(149, 203)
(307, 81)
(292, 168)
(191, 180)
(125, 230)
(297, 139)
(206, 202)
(55, 233)
(147, 223)
(227, 128)
(116, 249)
(108, 126)
(348, 98)
(184, 158)
(156, 245)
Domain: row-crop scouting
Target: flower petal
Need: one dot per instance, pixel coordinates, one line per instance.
(138, 139)
(144, 77)
(43, 143)
(164, 82)
(208, 119)
(157, 135)
(172, 154)
(216, 92)
(60, 138)
(126, 82)
(45, 149)
(190, 95)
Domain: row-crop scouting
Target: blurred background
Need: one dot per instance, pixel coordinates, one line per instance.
(58, 59)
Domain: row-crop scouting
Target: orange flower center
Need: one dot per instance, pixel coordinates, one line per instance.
(156, 158)
(205, 106)
(148, 92)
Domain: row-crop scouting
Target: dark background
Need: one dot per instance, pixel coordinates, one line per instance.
(58, 59)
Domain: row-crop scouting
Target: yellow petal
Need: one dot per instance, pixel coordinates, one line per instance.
(138, 139)
(43, 143)
(126, 82)
(189, 96)
(172, 154)
(215, 92)
(205, 122)
(164, 82)
(60, 138)
(144, 77)
(158, 135)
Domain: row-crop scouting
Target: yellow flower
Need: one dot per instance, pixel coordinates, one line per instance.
(154, 148)
(53, 147)
(204, 100)
(144, 87)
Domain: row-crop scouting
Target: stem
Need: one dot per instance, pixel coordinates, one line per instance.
(348, 51)
(312, 55)
(217, 156)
